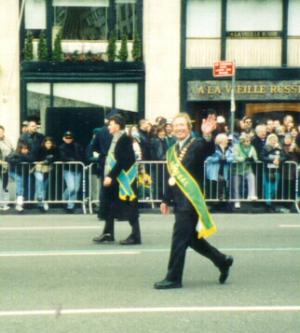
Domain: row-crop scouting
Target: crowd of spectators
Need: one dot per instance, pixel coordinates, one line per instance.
(30, 163)
(229, 169)
(254, 156)
(246, 164)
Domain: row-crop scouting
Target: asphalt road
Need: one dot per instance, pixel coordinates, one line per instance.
(54, 279)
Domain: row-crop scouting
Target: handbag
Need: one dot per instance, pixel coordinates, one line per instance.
(43, 168)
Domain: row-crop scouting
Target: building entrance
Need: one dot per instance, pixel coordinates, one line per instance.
(81, 121)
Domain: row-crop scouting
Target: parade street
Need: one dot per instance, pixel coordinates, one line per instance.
(55, 279)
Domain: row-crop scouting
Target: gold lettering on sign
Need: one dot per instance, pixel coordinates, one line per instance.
(211, 90)
(228, 89)
(240, 89)
(201, 90)
(249, 89)
(273, 89)
(263, 89)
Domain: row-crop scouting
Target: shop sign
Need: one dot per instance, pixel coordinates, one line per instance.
(223, 68)
(254, 34)
(244, 90)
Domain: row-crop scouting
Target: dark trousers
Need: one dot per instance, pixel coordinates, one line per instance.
(109, 227)
(184, 236)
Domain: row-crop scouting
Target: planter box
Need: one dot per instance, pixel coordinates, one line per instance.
(80, 67)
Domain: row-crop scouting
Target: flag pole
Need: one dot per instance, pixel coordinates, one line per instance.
(232, 101)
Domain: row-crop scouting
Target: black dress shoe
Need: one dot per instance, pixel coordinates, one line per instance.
(104, 238)
(167, 284)
(130, 241)
(225, 269)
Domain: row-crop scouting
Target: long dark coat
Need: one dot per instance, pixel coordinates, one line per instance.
(112, 205)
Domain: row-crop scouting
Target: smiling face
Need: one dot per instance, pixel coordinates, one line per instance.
(181, 128)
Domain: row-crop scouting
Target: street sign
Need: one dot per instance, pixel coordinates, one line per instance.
(223, 68)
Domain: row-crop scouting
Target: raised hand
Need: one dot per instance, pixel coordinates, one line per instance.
(208, 125)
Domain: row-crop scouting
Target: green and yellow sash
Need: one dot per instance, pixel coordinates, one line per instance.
(125, 179)
(191, 190)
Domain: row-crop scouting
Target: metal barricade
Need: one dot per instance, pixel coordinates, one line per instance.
(152, 180)
(297, 184)
(151, 183)
(37, 183)
(93, 186)
(72, 183)
(253, 182)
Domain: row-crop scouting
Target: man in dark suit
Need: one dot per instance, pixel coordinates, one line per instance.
(99, 147)
(32, 137)
(185, 165)
(120, 192)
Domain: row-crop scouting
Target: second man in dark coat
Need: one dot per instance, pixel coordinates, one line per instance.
(120, 192)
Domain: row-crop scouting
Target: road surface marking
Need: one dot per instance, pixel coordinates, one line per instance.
(66, 253)
(289, 226)
(61, 311)
(76, 253)
(46, 228)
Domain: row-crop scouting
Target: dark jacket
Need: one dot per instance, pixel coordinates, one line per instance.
(47, 155)
(258, 144)
(159, 148)
(19, 163)
(72, 152)
(145, 144)
(100, 144)
(193, 161)
(113, 205)
(34, 141)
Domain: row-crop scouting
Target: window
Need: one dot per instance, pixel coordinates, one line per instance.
(82, 95)
(203, 32)
(82, 20)
(35, 16)
(203, 18)
(294, 22)
(126, 18)
(254, 15)
(254, 30)
(127, 97)
(294, 33)
(38, 100)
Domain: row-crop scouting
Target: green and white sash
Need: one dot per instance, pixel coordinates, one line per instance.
(125, 179)
(190, 188)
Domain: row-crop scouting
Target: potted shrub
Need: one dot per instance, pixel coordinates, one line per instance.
(111, 47)
(123, 53)
(137, 48)
(42, 48)
(57, 54)
(28, 48)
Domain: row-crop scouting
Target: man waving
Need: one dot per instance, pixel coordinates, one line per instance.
(193, 223)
